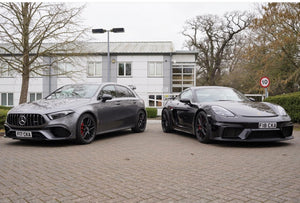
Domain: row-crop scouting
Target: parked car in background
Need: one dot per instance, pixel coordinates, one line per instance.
(222, 113)
(78, 111)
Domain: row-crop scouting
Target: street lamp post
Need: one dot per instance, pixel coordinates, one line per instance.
(115, 30)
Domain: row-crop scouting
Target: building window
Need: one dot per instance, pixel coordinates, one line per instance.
(35, 96)
(124, 69)
(94, 69)
(183, 77)
(64, 69)
(155, 100)
(6, 71)
(7, 99)
(155, 69)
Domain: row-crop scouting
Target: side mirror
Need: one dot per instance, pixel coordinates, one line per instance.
(252, 99)
(185, 100)
(106, 97)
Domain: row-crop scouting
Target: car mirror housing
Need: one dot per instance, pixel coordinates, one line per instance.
(185, 100)
(252, 99)
(106, 97)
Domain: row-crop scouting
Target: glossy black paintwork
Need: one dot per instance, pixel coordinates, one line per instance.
(247, 115)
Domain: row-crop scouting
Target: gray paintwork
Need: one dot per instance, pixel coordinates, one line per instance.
(111, 115)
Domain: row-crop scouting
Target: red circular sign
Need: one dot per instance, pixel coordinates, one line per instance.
(264, 82)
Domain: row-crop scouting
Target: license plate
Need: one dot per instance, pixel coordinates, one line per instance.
(267, 125)
(23, 134)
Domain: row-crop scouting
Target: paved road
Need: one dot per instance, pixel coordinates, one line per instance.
(149, 167)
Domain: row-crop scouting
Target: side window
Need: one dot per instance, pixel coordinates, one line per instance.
(186, 95)
(108, 89)
(124, 92)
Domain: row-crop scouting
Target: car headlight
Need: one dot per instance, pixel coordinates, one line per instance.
(281, 111)
(222, 111)
(59, 114)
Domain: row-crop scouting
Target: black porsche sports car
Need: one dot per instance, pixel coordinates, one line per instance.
(222, 113)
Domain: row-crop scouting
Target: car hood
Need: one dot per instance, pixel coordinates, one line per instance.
(248, 109)
(49, 105)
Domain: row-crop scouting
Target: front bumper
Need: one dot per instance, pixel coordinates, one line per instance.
(56, 132)
(249, 132)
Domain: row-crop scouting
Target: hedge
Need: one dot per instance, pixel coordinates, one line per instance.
(3, 113)
(151, 112)
(290, 102)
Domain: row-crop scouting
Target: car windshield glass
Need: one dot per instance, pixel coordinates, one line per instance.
(219, 94)
(74, 91)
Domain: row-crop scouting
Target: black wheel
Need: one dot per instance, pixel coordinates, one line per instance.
(202, 127)
(86, 129)
(141, 121)
(166, 122)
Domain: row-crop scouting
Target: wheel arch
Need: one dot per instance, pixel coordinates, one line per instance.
(92, 114)
(194, 119)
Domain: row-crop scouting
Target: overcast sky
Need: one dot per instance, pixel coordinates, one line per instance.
(152, 21)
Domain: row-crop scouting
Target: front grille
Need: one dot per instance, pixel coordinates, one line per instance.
(287, 131)
(265, 134)
(25, 120)
(232, 132)
(60, 132)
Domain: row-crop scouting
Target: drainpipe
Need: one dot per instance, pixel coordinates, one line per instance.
(171, 73)
(50, 73)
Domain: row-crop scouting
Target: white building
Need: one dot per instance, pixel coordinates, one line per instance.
(155, 68)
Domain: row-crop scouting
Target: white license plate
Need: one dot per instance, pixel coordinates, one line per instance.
(267, 125)
(23, 134)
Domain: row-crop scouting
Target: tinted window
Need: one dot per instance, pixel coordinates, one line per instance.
(216, 94)
(186, 95)
(74, 91)
(108, 89)
(124, 92)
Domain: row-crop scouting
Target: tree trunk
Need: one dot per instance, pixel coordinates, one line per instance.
(24, 88)
(25, 45)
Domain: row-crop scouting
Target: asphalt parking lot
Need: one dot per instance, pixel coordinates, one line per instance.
(149, 167)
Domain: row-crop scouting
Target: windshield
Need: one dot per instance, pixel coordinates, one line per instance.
(74, 91)
(219, 94)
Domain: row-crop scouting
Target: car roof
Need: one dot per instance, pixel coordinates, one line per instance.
(210, 87)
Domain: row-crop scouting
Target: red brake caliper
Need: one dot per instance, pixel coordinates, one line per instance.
(81, 129)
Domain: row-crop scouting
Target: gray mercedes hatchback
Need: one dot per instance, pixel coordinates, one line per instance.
(79, 112)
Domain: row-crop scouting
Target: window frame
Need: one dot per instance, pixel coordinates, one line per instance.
(155, 100)
(35, 96)
(63, 73)
(183, 76)
(124, 75)
(94, 75)
(155, 69)
(7, 99)
(6, 71)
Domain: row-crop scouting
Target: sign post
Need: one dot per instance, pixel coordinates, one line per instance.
(264, 83)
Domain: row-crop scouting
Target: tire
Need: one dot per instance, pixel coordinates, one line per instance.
(86, 129)
(202, 127)
(141, 121)
(166, 122)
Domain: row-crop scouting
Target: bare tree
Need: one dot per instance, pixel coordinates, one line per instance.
(30, 31)
(217, 40)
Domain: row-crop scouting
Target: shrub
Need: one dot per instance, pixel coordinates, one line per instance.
(151, 112)
(290, 102)
(3, 113)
